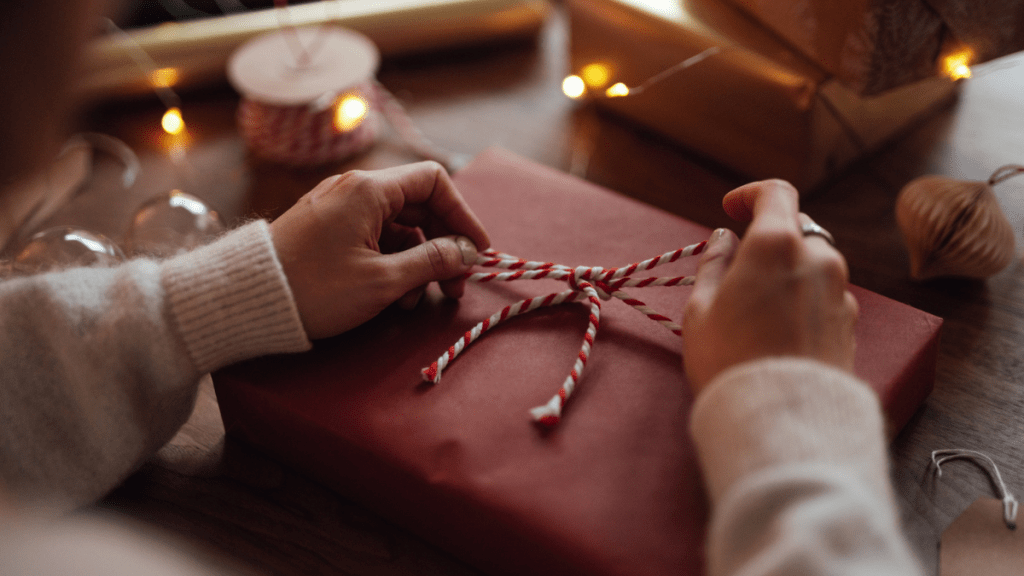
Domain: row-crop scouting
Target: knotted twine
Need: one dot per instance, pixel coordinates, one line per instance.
(590, 284)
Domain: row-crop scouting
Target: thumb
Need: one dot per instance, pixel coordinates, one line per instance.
(443, 258)
(713, 264)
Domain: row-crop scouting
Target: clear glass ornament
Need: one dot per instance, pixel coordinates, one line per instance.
(170, 223)
(66, 247)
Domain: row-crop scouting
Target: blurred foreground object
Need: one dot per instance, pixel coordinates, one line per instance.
(196, 52)
(756, 105)
(955, 227)
(170, 223)
(877, 45)
(66, 247)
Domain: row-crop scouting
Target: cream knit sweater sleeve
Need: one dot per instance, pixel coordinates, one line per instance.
(100, 367)
(795, 464)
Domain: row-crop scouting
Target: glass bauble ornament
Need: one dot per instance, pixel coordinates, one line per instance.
(170, 223)
(66, 247)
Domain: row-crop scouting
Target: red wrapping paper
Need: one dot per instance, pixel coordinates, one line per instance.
(615, 488)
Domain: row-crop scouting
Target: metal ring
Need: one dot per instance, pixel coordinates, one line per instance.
(814, 229)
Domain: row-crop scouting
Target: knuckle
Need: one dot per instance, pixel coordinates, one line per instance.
(852, 306)
(330, 180)
(695, 309)
(834, 268)
(356, 180)
(440, 262)
(780, 186)
(433, 166)
(780, 245)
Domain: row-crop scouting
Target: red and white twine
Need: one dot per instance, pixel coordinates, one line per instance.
(306, 135)
(591, 284)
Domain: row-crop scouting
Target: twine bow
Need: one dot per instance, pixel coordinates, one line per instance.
(592, 284)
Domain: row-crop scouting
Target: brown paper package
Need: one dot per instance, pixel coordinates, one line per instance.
(615, 488)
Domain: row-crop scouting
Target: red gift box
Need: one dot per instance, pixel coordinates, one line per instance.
(614, 489)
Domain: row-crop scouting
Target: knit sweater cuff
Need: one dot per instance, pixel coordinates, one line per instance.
(770, 413)
(230, 300)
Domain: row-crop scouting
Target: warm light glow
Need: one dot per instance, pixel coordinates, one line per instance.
(164, 77)
(574, 87)
(617, 90)
(958, 65)
(595, 75)
(172, 121)
(350, 113)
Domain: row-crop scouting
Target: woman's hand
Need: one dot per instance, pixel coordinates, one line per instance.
(363, 240)
(776, 293)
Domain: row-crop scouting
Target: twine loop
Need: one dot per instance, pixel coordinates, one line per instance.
(1004, 173)
(589, 284)
(1010, 504)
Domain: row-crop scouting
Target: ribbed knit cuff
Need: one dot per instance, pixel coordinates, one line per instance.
(773, 412)
(231, 300)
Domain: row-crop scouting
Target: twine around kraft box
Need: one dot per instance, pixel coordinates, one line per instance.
(614, 489)
(877, 46)
(757, 106)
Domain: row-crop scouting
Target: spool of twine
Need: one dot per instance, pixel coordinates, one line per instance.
(309, 96)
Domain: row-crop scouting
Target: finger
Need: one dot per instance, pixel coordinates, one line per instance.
(812, 239)
(396, 237)
(453, 288)
(852, 308)
(428, 184)
(713, 264)
(769, 204)
(410, 299)
(444, 258)
(853, 312)
(825, 256)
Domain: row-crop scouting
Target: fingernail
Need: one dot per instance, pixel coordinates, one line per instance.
(716, 236)
(469, 251)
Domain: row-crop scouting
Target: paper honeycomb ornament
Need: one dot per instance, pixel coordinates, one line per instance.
(955, 227)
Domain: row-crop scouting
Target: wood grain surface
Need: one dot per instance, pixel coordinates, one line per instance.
(247, 513)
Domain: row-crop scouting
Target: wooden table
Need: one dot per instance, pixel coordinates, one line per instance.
(249, 513)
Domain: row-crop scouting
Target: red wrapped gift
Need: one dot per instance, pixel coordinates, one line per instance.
(614, 489)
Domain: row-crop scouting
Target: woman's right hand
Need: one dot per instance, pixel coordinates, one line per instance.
(775, 293)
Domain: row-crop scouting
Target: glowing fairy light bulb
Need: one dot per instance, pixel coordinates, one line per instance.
(957, 65)
(172, 122)
(349, 113)
(617, 90)
(595, 75)
(574, 87)
(164, 77)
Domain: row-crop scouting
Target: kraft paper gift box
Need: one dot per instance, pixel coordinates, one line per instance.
(877, 45)
(757, 106)
(614, 489)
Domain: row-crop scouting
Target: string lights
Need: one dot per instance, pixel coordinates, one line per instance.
(350, 111)
(958, 65)
(593, 79)
(160, 79)
(172, 122)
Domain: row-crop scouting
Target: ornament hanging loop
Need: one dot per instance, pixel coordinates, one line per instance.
(1010, 504)
(1004, 173)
